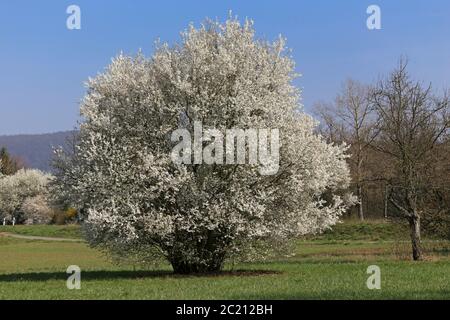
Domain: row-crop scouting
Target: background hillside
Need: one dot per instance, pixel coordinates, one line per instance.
(35, 149)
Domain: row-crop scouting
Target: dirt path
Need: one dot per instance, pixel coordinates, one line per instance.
(19, 236)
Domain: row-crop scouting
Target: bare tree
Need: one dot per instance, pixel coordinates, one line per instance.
(412, 121)
(351, 119)
(436, 215)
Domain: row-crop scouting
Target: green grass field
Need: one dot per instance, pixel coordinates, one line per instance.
(329, 266)
(66, 231)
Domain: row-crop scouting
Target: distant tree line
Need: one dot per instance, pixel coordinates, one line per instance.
(398, 130)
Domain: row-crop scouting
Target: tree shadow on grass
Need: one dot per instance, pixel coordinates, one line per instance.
(128, 275)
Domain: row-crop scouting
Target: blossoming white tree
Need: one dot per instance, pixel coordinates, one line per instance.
(139, 202)
(36, 210)
(16, 189)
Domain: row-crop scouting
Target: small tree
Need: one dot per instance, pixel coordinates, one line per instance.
(351, 119)
(36, 210)
(139, 203)
(15, 189)
(412, 122)
(8, 164)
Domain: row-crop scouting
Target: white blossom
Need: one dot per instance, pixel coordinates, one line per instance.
(37, 210)
(15, 189)
(138, 202)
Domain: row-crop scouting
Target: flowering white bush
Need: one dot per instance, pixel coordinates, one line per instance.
(139, 203)
(36, 210)
(15, 189)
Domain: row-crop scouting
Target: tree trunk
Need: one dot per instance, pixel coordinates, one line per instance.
(360, 204)
(199, 257)
(386, 199)
(414, 224)
(180, 266)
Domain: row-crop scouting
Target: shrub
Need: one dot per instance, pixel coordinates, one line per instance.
(15, 189)
(37, 211)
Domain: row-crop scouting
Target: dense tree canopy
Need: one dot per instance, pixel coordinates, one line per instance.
(138, 202)
(16, 189)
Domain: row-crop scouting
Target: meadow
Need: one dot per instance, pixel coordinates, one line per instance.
(329, 266)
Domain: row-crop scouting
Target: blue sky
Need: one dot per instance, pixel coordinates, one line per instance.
(43, 65)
